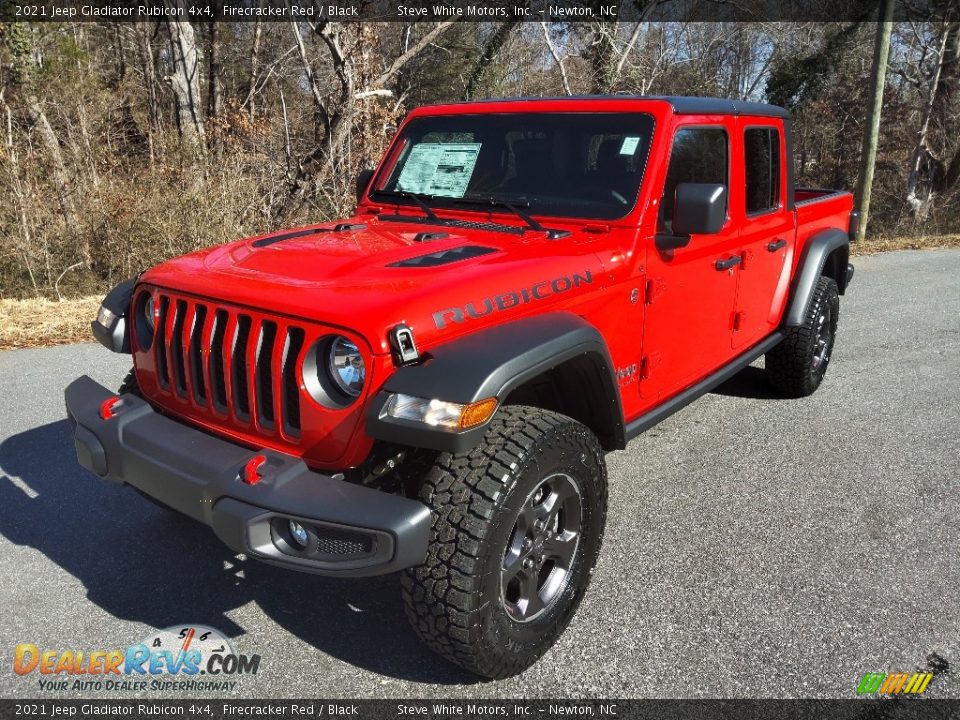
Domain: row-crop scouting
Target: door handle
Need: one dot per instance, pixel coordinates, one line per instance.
(776, 245)
(728, 263)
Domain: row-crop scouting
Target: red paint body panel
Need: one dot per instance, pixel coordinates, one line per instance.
(339, 283)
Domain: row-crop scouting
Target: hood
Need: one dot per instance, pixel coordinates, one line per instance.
(370, 277)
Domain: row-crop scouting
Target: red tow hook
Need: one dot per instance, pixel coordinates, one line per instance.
(107, 406)
(251, 471)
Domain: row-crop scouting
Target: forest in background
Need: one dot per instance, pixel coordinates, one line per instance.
(127, 143)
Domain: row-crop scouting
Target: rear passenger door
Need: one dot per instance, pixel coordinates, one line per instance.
(768, 231)
(690, 300)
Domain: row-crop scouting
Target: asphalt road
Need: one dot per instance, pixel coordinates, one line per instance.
(756, 546)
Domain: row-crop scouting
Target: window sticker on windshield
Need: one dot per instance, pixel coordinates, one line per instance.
(442, 169)
(629, 146)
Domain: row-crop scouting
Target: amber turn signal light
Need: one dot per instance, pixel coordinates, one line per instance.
(477, 413)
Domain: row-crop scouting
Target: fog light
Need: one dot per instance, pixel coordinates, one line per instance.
(299, 533)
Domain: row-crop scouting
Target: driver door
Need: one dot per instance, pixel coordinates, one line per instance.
(687, 324)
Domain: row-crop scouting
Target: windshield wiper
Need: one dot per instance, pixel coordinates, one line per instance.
(417, 198)
(512, 206)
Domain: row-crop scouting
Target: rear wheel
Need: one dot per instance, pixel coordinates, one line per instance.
(517, 526)
(797, 365)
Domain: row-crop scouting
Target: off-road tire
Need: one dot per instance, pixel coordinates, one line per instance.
(791, 366)
(455, 599)
(130, 385)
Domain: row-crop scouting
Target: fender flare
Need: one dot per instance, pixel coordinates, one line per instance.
(819, 248)
(492, 363)
(116, 337)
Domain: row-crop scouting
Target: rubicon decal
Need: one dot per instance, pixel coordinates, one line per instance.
(184, 651)
(511, 299)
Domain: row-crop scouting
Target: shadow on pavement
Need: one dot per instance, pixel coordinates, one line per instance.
(139, 562)
(750, 383)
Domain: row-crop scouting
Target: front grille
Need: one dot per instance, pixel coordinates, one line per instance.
(225, 363)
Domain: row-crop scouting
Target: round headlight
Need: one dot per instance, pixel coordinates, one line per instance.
(346, 366)
(149, 313)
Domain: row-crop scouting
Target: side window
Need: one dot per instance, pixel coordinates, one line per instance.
(762, 166)
(699, 155)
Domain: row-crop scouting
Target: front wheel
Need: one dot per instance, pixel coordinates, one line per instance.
(517, 526)
(797, 365)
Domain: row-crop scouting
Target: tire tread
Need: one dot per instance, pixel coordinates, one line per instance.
(466, 491)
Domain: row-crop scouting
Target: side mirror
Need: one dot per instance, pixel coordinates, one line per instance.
(363, 179)
(699, 209)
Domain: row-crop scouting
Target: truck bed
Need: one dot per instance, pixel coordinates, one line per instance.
(818, 209)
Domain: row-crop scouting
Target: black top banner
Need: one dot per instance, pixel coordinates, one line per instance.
(566, 11)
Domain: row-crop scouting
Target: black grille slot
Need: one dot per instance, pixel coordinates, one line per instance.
(176, 347)
(241, 397)
(444, 257)
(218, 378)
(230, 364)
(264, 384)
(341, 543)
(163, 372)
(291, 388)
(196, 355)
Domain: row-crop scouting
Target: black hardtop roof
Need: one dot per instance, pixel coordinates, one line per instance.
(682, 105)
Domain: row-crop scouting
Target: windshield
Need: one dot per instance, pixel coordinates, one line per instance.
(578, 165)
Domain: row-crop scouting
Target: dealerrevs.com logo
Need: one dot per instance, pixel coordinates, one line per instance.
(179, 658)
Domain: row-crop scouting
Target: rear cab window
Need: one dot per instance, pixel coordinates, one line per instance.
(762, 151)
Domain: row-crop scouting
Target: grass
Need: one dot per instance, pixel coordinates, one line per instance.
(872, 246)
(43, 323)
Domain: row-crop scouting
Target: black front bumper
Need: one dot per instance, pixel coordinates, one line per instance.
(354, 530)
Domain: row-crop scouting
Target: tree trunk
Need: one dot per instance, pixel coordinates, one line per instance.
(254, 69)
(556, 58)
(13, 164)
(58, 172)
(603, 57)
(871, 131)
(921, 154)
(145, 49)
(215, 89)
(121, 57)
(185, 83)
(497, 40)
(946, 173)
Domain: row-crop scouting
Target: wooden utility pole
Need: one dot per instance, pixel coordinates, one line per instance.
(871, 130)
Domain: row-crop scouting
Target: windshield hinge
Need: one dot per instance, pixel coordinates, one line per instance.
(404, 346)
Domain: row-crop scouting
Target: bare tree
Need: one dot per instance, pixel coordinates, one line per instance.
(556, 57)
(58, 172)
(185, 83)
(251, 100)
(337, 114)
(917, 206)
(491, 49)
(214, 80)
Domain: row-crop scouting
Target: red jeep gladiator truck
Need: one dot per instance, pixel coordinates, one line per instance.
(431, 385)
